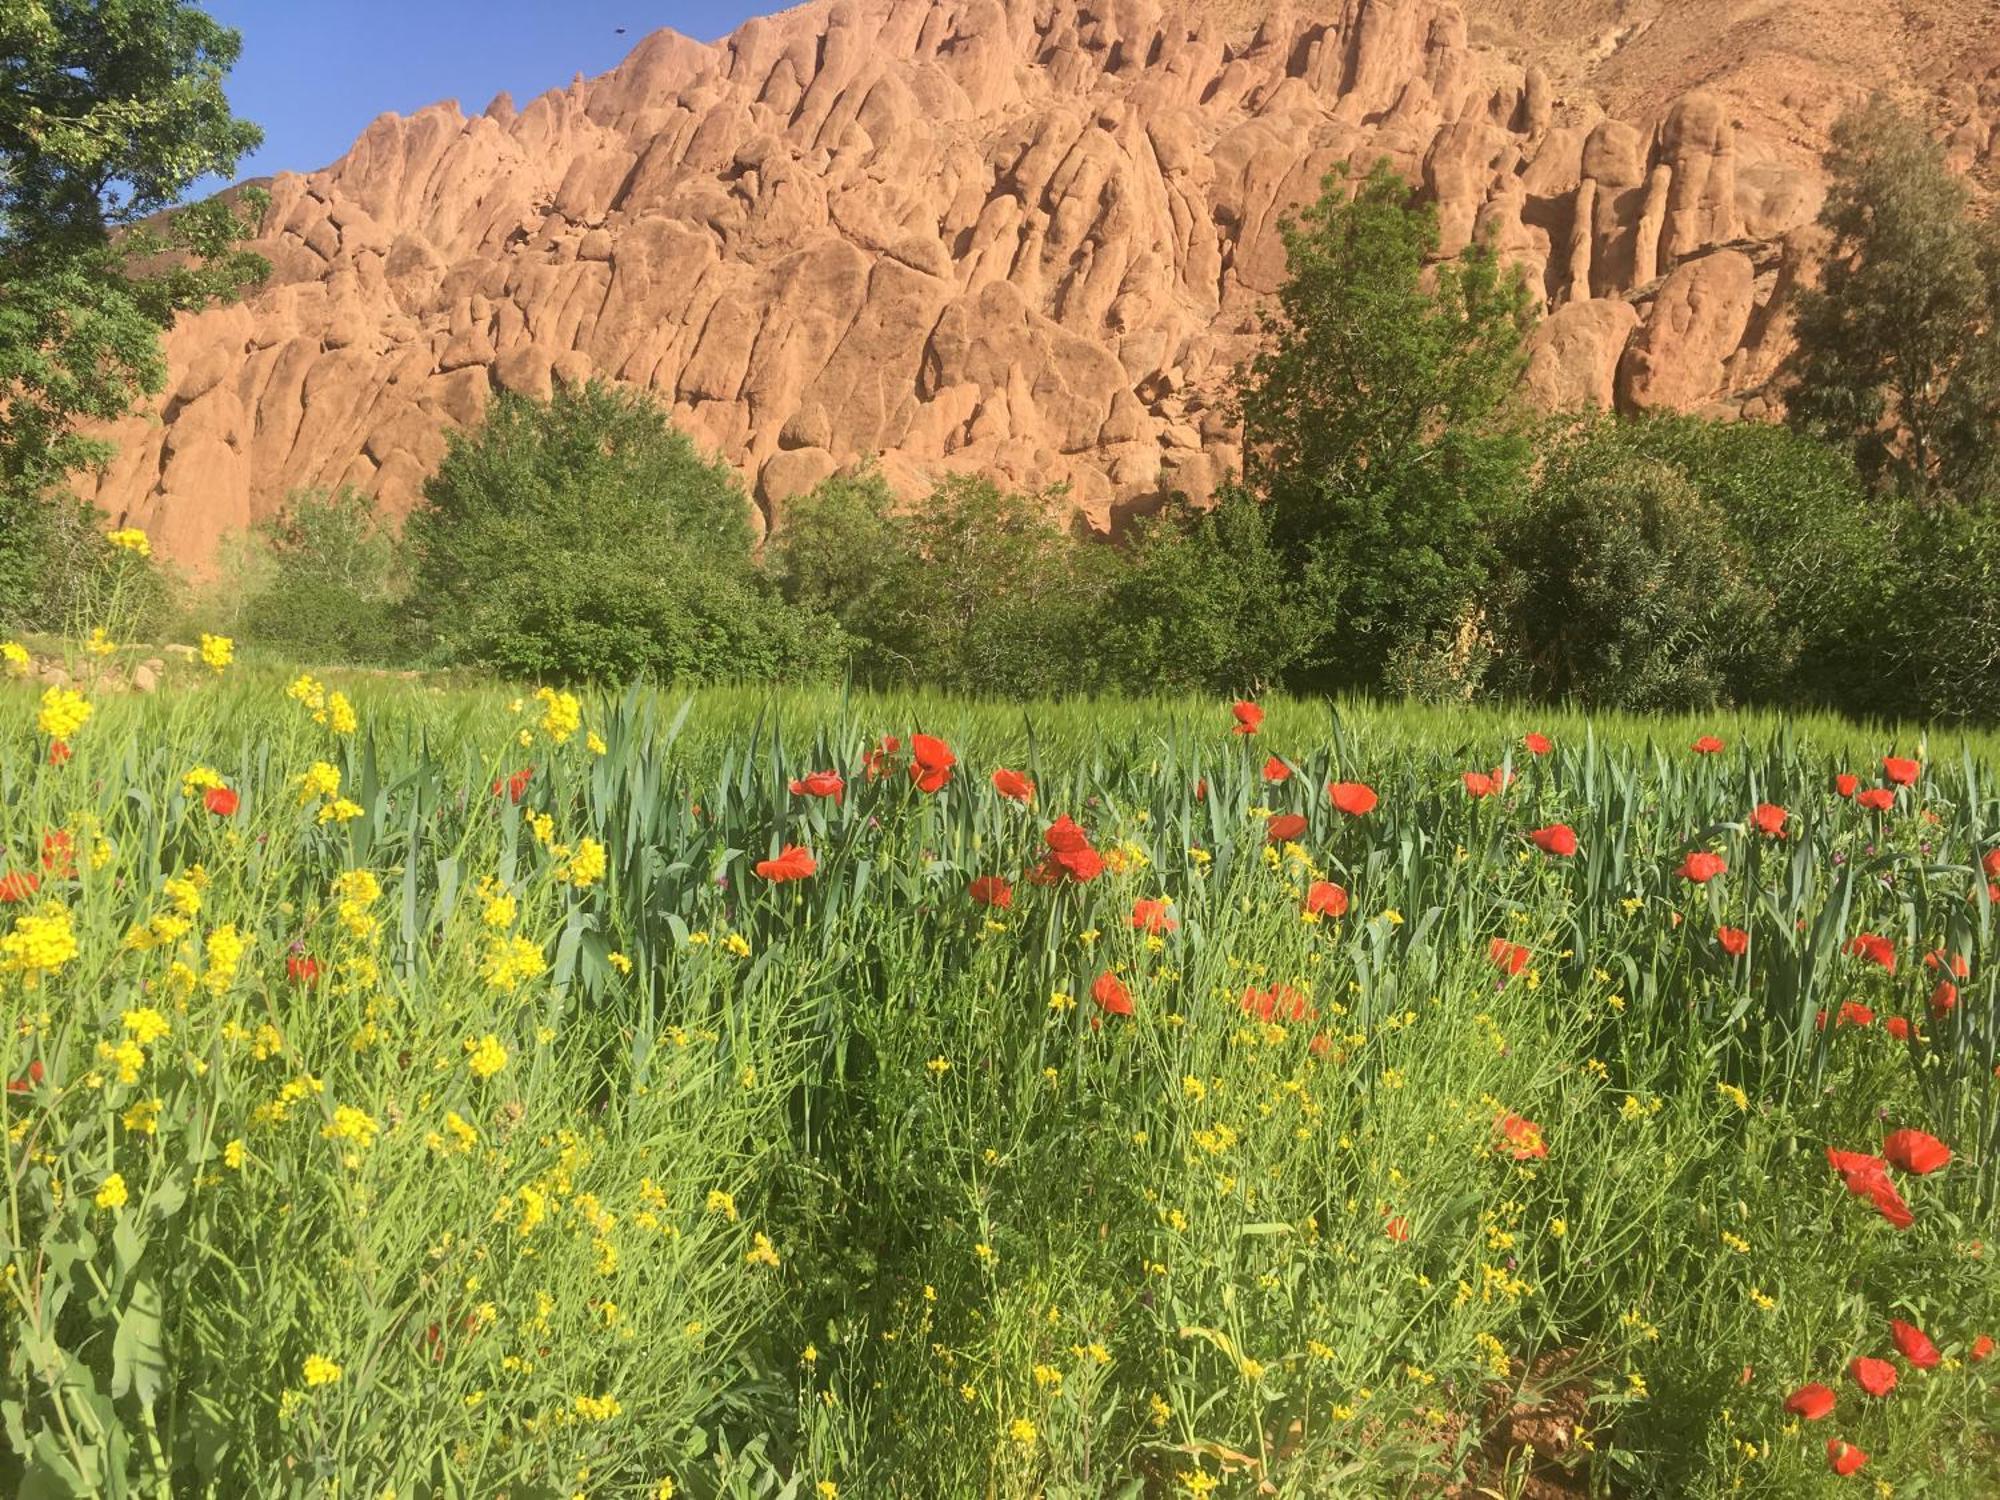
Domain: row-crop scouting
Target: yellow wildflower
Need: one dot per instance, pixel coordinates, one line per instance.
(64, 712)
(217, 651)
(486, 1056)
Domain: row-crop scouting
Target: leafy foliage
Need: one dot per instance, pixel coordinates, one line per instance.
(1899, 345)
(1380, 428)
(1201, 603)
(1627, 588)
(583, 538)
(974, 588)
(109, 109)
(334, 591)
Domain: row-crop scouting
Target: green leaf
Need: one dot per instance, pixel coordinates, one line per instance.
(138, 1350)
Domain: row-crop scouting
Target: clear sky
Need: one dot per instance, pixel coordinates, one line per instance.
(314, 74)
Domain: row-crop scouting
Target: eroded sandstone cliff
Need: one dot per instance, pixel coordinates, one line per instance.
(1027, 237)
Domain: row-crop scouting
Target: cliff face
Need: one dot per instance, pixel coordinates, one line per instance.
(1026, 237)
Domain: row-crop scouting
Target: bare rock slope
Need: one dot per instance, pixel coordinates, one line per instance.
(1027, 237)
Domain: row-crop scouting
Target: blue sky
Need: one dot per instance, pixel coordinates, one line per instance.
(314, 75)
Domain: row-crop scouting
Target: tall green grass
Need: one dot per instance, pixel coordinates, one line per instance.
(1012, 1244)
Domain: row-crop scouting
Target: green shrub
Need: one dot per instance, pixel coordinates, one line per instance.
(1201, 603)
(1933, 637)
(1626, 588)
(332, 589)
(584, 538)
(59, 574)
(1806, 530)
(974, 589)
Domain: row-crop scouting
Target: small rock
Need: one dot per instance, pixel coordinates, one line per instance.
(145, 678)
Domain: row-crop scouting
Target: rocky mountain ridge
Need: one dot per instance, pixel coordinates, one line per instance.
(1026, 237)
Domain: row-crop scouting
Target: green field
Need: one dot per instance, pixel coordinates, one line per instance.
(382, 1121)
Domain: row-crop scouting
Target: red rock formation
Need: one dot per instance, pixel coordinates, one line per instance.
(1026, 237)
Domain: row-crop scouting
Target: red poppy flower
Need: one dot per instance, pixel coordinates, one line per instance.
(1276, 771)
(1915, 1152)
(821, 784)
(1014, 786)
(1510, 956)
(1981, 1348)
(931, 761)
(1522, 1137)
(881, 760)
(1914, 1345)
(1899, 1028)
(1478, 783)
(1734, 940)
(1845, 783)
(1844, 1458)
(1867, 1177)
(794, 862)
(1991, 864)
(1852, 1013)
(1149, 915)
(1877, 799)
(1064, 836)
(59, 752)
(1875, 948)
(1249, 717)
(1875, 1376)
(991, 890)
(1558, 839)
(1325, 899)
(514, 787)
(1283, 827)
(301, 968)
(1959, 965)
(1702, 866)
(1902, 772)
(1201, 790)
(1810, 1402)
(1537, 744)
(18, 886)
(1502, 778)
(1071, 854)
(1943, 999)
(28, 1080)
(1769, 820)
(221, 801)
(1708, 744)
(1111, 996)
(58, 854)
(1352, 797)
(1278, 1002)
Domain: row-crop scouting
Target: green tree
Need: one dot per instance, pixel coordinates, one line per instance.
(843, 552)
(109, 111)
(1381, 428)
(583, 537)
(1898, 353)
